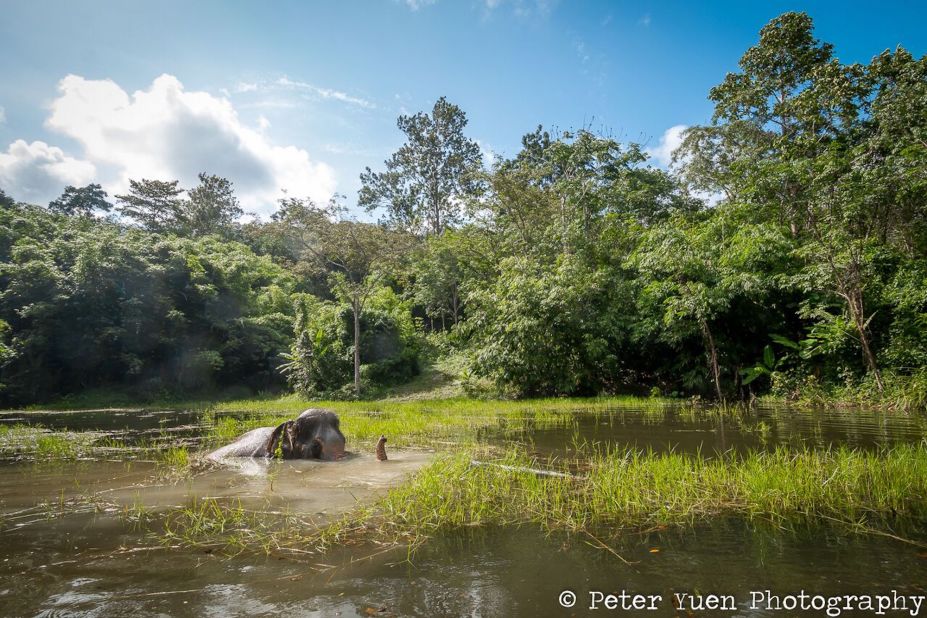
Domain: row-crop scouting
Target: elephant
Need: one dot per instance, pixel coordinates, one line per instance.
(314, 434)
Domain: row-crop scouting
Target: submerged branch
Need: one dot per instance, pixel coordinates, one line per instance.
(551, 473)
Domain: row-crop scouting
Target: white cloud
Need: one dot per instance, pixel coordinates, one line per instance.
(38, 173)
(581, 51)
(167, 132)
(711, 198)
(417, 4)
(487, 153)
(246, 87)
(662, 153)
(527, 9)
(325, 93)
(349, 149)
(263, 123)
(270, 104)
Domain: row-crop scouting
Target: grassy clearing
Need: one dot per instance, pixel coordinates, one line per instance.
(426, 423)
(438, 423)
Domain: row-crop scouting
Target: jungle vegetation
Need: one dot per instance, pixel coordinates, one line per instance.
(784, 252)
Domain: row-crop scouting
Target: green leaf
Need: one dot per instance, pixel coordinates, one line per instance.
(769, 358)
(753, 373)
(785, 342)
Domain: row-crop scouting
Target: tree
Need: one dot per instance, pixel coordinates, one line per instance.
(155, 204)
(438, 278)
(354, 255)
(695, 271)
(318, 358)
(429, 177)
(7, 352)
(212, 207)
(893, 154)
(544, 329)
(787, 137)
(83, 201)
(91, 303)
(557, 195)
(5, 200)
(767, 117)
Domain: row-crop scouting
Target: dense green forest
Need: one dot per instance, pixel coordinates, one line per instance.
(784, 252)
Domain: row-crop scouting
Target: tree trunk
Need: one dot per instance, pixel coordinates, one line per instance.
(858, 314)
(357, 384)
(563, 226)
(712, 357)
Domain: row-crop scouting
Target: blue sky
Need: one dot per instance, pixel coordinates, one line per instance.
(306, 94)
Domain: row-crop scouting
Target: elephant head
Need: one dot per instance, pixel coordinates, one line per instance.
(314, 434)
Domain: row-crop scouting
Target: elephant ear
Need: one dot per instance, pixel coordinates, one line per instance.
(277, 440)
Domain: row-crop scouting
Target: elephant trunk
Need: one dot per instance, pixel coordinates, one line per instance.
(381, 448)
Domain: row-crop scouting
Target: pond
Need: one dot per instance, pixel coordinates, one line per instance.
(69, 545)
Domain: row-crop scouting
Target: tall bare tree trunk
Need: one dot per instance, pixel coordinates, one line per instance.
(712, 357)
(357, 383)
(855, 304)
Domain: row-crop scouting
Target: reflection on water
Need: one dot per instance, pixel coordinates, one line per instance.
(493, 573)
(699, 431)
(682, 429)
(90, 561)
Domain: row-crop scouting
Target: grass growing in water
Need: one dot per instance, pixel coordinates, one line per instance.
(35, 442)
(633, 489)
(618, 491)
(442, 422)
(175, 457)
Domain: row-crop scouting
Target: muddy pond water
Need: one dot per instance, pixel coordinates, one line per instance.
(68, 549)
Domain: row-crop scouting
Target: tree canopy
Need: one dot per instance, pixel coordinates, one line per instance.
(427, 180)
(783, 252)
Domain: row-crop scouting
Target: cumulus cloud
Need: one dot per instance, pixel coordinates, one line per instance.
(662, 153)
(38, 173)
(167, 132)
